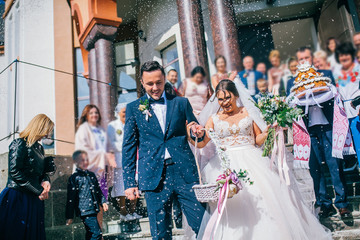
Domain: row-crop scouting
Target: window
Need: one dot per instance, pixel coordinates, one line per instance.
(170, 60)
(82, 87)
(126, 70)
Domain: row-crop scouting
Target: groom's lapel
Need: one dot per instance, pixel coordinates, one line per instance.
(153, 120)
(169, 110)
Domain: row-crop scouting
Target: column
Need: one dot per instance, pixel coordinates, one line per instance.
(92, 75)
(225, 33)
(104, 91)
(192, 35)
(106, 74)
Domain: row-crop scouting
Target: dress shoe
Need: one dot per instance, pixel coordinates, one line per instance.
(345, 213)
(327, 211)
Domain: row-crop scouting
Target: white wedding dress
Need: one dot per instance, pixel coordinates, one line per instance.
(268, 209)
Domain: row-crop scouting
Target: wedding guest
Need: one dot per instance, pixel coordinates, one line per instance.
(220, 64)
(331, 45)
(347, 77)
(305, 54)
(261, 67)
(196, 89)
(84, 197)
(275, 73)
(262, 85)
(357, 60)
(321, 60)
(356, 39)
(249, 76)
(91, 137)
(22, 201)
(172, 78)
(115, 134)
(291, 72)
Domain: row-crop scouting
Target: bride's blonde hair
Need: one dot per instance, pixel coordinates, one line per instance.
(38, 127)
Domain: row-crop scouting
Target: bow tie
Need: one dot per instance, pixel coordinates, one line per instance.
(160, 101)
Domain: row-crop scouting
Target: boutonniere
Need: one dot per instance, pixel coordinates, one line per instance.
(144, 107)
(245, 75)
(119, 132)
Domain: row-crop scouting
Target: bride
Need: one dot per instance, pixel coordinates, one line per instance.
(267, 209)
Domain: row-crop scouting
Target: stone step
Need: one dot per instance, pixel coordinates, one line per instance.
(353, 234)
(137, 229)
(335, 223)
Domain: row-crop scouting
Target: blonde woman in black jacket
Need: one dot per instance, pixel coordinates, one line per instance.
(22, 201)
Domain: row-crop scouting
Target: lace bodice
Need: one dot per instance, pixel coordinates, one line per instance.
(236, 135)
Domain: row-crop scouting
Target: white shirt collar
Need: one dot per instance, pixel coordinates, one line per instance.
(163, 95)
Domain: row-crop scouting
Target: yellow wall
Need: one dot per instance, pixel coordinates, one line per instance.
(64, 84)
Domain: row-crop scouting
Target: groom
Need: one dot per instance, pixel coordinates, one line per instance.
(156, 126)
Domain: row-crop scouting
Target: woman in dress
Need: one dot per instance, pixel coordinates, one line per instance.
(331, 45)
(196, 89)
(220, 65)
(276, 86)
(115, 134)
(268, 209)
(91, 137)
(22, 201)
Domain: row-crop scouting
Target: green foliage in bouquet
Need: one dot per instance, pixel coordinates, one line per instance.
(275, 109)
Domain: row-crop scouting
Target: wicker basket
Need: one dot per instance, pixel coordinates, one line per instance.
(206, 192)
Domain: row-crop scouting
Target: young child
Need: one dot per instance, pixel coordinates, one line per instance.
(262, 85)
(84, 197)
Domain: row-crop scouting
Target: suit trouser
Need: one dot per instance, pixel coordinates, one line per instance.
(159, 203)
(321, 151)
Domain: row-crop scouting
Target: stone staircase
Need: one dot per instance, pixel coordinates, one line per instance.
(114, 229)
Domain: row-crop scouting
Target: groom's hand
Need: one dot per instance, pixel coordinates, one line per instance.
(132, 193)
(196, 129)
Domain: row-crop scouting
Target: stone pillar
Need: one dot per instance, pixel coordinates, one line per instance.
(225, 33)
(92, 75)
(106, 73)
(192, 35)
(103, 93)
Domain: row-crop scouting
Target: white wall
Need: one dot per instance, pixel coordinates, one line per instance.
(159, 21)
(29, 35)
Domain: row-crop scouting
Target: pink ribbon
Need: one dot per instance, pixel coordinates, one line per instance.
(279, 150)
(214, 221)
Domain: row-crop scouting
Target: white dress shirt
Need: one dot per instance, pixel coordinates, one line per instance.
(316, 116)
(160, 112)
(251, 82)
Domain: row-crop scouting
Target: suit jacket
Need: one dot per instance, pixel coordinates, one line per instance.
(327, 73)
(328, 110)
(151, 142)
(258, 75)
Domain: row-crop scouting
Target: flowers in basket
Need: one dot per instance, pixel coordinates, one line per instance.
(275, 110)
(233, 179)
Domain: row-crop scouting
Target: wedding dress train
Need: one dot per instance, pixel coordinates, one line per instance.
(268, 209)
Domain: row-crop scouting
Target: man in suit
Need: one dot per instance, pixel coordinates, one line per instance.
(319, 123)
(249, 76)
(156, 126)
(305, 54)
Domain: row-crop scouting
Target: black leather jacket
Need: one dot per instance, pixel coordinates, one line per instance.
(26, 167)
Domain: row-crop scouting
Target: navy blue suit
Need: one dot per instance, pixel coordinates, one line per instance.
(161, 181)
(257, 74)
(327, 73)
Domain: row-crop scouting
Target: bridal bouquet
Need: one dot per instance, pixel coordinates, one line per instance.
(275, 109)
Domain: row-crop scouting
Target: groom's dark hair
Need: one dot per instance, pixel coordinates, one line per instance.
(151, 66)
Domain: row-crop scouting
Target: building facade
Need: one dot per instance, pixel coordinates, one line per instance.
(97, 47)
